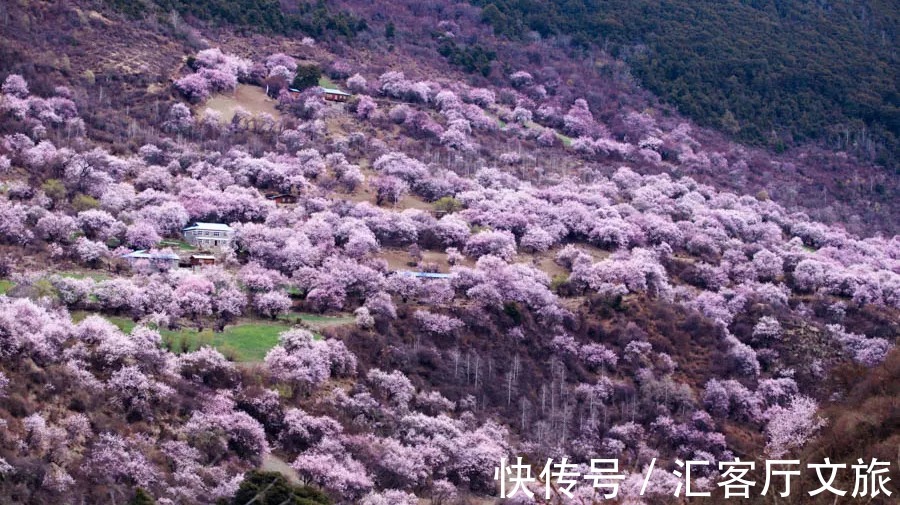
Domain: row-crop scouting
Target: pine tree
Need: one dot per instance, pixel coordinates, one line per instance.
(142, 497)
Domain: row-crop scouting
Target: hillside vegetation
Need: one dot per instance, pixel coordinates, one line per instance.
(470, 258)
(773, 72)
(267, 16)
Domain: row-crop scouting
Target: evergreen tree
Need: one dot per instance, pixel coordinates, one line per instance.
(142, 497)
(307, 76)
(271, 488)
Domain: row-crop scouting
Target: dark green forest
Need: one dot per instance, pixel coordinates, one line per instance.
(310, 18)
(473, 58)
(766, 71)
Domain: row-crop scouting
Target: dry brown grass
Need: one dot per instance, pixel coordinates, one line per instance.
(397, 258)
(252, 98)
(365, 193)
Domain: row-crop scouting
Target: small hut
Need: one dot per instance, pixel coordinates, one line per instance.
(282, 198)
(335, 95)
(198, 260)
(159, 259)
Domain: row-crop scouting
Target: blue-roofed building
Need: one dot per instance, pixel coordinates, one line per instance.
(159, 259)
(424, 275)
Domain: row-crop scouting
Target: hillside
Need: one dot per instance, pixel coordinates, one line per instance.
(831, 186)
(777, 73)
(349, 253)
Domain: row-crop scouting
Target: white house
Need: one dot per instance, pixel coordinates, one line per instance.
(209, 236)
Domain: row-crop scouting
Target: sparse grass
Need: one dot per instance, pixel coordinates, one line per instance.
(398, 259)
(5, 286)
(251, 98)
(97, 276)
(566, 140)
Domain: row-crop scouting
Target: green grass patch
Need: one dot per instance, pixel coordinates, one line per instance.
(181, 245)
(5, 286)
(123, 323)
(247, 341)
(566, 140)
(325, 82)
(316, 319)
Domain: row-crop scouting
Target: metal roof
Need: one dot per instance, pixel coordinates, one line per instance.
(144, 254)
(208, 226)
(424, 275)
(335, 91)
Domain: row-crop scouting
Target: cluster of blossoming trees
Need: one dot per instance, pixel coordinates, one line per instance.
(88, 407)
(211, 426)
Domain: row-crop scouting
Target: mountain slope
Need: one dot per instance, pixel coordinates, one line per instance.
(777, 73)
(471, 258)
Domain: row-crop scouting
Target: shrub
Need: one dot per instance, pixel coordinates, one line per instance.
(307, 76)
(447, 205)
